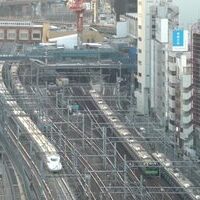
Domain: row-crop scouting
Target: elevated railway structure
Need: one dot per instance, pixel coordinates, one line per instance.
(53, 55)
(86, 155)
(13, 187)
(62, 188)
(168, 171)
(95, 141)
(83, 148)
(149, 170)
(10, 184)
(8, 138)
(14, 123)
(179, 184)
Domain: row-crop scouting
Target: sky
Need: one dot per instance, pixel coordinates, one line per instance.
(189, 11)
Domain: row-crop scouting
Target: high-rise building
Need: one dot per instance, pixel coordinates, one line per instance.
(180, 99)
(143, 45)
(196, 84)
(156, 20)
(164, 73)
(196, 73)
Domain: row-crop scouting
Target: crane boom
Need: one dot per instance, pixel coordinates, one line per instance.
(78, 7)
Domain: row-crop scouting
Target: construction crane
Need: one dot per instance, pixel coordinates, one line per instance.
(78, 7)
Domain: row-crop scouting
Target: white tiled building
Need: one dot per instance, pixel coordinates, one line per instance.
(180, 98)
(20, 31)
(155, 22)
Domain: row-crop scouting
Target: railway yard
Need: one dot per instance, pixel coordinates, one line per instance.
(74, 119)
(72, 127)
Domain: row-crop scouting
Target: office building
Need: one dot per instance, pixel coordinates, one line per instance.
(155, 23)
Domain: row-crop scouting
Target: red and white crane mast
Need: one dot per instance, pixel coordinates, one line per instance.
(78, 7)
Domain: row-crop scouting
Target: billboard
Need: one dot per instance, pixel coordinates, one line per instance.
(162, 30)
(179, 40)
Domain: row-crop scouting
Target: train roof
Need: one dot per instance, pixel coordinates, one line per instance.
(157, 159)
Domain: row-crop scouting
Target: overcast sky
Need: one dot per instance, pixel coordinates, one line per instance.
(189, 11)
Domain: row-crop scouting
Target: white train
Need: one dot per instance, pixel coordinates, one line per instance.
(151, 163)
(191, 191)
(50, 155)
(150, 166)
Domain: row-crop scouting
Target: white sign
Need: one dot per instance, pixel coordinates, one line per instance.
(162, 30)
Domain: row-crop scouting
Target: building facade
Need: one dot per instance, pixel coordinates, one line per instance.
(196, 84)
(196, 73)
(143, 63)
(180, 100)
(156, 20)
(164, 74)
(20, 32)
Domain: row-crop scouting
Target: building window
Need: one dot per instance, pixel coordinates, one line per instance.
(139, 26)
(36, 35)
(172, 110)
(140, 39)
(139, 87)
(139, 50)
(172, 59)
(23, 35)
(173, 73)
(1, 34)
(187, 70)
(139, 62)
(172, 97)
(140, 74)
(11, 35)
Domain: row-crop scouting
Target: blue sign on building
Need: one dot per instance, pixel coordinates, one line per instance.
(178, 38)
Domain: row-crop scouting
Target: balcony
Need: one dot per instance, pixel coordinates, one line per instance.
(172, 91)
(187, 119)
(186, 132)
(172, 67)
(172, 79)
(172, 115)
(171, 103)
(187, 81)
(187, 95)
(172, 127)
(186, 107)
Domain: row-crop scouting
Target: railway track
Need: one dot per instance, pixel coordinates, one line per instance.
(166, 196)
(6, 101)
(86, 163)
(89, 105)
(77, 130)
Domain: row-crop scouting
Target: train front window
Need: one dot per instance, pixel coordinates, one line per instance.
(54, 159)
